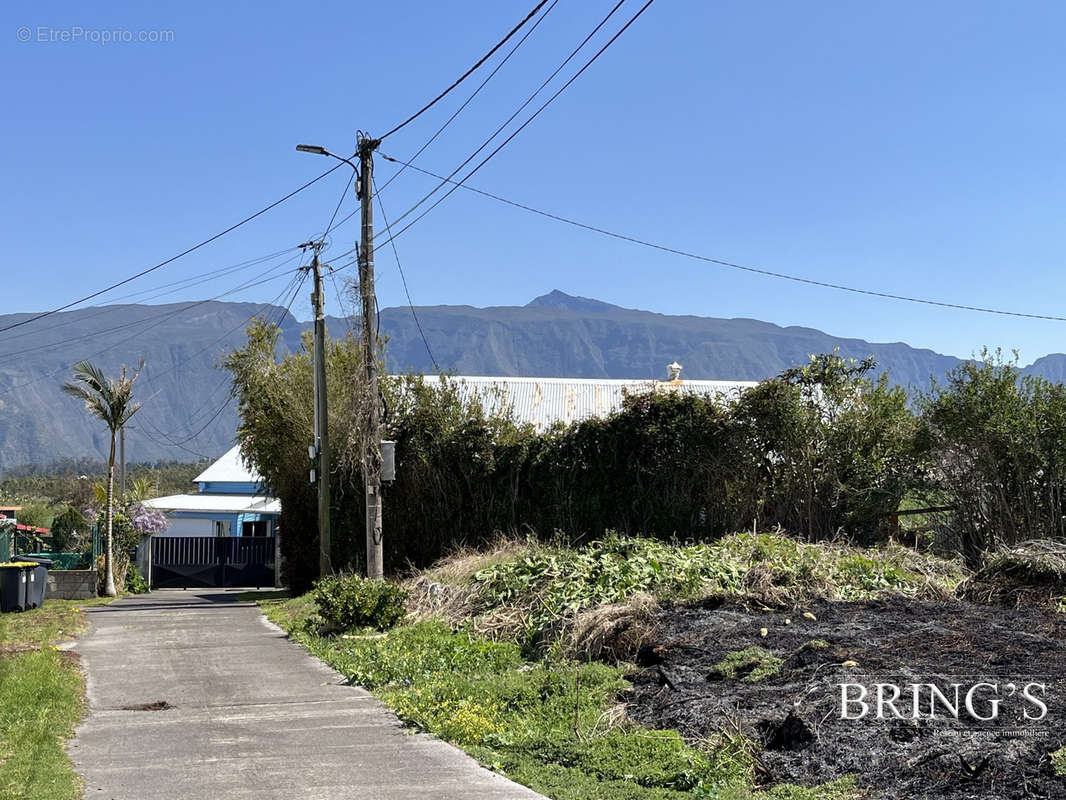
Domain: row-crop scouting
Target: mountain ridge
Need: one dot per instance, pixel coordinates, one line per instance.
(554, 335)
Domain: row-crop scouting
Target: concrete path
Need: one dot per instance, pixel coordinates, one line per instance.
(254, 716)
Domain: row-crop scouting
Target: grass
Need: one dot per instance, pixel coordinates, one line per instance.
(41, 700)
(550, 724)
(56, 620)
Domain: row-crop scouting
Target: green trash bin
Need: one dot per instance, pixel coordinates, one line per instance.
(14, 578)
(37, 580)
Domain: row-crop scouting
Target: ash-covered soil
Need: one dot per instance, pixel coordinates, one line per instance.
(796, 714)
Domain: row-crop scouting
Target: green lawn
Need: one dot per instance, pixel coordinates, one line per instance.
(41, 700)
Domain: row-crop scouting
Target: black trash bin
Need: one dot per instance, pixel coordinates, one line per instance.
(36, 580)
(13, 582)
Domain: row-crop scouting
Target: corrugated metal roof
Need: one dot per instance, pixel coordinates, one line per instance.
(541, 402)
(217, 503)
(230, 468)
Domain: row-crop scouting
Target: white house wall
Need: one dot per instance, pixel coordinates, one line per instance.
(184, 526)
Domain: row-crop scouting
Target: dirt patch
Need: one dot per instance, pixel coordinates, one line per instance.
(795, 711)
(15, 649)
(158, 705)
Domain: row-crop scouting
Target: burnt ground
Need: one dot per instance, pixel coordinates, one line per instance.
(796, 713)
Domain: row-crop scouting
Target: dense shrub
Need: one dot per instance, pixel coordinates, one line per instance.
(347, 602)
(820, 450)
(69, 530)
(998, 444)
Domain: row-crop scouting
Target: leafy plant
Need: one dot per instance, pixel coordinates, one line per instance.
(135, 583)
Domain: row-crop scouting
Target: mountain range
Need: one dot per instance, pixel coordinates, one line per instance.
(555, 335)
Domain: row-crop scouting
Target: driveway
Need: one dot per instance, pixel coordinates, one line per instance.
(249, 715)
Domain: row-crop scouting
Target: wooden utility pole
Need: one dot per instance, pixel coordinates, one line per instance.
(372, 406)
(321, 418)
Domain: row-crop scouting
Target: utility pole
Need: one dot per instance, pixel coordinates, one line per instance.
(321, 410)
(371, 438)
(372, 418)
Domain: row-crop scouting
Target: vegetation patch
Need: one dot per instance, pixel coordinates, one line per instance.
(750, 664)
(1030, 573)
(1058, 761)
(41, 700)
(602, 598)
(552, 724)
(347, 601)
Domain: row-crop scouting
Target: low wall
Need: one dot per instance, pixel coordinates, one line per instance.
(71, 584)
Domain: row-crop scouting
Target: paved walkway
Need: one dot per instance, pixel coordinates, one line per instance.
(254, 716)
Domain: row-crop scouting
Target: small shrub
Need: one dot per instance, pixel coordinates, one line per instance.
(347, 602)
(135, 583)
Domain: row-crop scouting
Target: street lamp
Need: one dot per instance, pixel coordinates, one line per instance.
(319, 150)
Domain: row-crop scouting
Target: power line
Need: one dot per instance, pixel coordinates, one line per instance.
(184, 283)
(292, 286)
(474, 94)
(466, 74)
(503, 125)
(535, 114)
(344, 194)
(299, 281)
(120, 342)
(172, 259)
(757, 270)
(410, 304)
(161, 317)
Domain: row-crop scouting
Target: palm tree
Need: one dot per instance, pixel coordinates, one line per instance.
(111, 400)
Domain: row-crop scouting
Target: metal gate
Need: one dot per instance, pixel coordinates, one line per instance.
(184, 562)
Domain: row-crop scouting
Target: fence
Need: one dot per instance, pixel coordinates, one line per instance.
(13, 542)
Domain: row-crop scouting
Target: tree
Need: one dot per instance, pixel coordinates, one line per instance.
(67, 528)
(36, 515)
(110, 400)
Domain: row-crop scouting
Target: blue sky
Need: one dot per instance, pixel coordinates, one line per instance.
(912, 148)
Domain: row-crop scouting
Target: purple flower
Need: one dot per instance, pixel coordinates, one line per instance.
(148, 520)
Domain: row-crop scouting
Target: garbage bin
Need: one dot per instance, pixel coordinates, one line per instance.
(14, 578)
(36, 580)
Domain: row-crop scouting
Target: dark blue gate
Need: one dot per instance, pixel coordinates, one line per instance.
(195, 562)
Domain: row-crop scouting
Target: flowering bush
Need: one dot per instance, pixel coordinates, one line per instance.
(147, 520)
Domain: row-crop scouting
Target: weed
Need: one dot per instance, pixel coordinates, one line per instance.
(1058, 761)
(751, 664)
